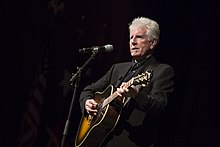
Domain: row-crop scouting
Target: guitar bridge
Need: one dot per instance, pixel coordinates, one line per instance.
(89, 118)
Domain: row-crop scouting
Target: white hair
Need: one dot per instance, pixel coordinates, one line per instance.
(153, 31)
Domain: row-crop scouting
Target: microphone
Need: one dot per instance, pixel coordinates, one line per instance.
(106, 48)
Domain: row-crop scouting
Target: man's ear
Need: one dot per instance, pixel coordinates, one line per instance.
(153, 44)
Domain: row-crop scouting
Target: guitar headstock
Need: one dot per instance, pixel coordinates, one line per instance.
(142, 79)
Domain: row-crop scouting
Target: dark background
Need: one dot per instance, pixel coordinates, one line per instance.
(189, 42)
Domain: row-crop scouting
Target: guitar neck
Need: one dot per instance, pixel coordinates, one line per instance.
(115, 95)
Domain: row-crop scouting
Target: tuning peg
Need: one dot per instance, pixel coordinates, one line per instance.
(143, 85)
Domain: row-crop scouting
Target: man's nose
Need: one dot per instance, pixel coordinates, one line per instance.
(133, 42)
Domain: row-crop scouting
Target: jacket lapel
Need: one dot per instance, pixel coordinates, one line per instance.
(123, 72)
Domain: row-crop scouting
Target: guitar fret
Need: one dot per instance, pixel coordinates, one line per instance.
(109, 99)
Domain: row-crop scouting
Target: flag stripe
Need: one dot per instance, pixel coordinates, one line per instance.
(33, 112)
(32, 117)
(53, 139)
(28, 137)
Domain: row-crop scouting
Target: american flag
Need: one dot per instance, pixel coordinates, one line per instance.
(32, 116)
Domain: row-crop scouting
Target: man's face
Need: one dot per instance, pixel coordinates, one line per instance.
(140, 46)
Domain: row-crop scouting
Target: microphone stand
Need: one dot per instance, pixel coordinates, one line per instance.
(76, 78)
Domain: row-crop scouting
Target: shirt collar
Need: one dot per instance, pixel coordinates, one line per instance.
(138, 63)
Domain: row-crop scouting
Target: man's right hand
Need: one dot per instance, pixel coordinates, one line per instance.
(90, 106)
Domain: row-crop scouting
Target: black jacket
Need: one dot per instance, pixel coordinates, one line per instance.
(151, 100)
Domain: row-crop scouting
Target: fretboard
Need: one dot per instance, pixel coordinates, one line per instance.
(115, 95)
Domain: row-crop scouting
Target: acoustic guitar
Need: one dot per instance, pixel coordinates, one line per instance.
(93, 129)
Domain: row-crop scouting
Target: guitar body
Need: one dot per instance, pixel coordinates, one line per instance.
(94, 129)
